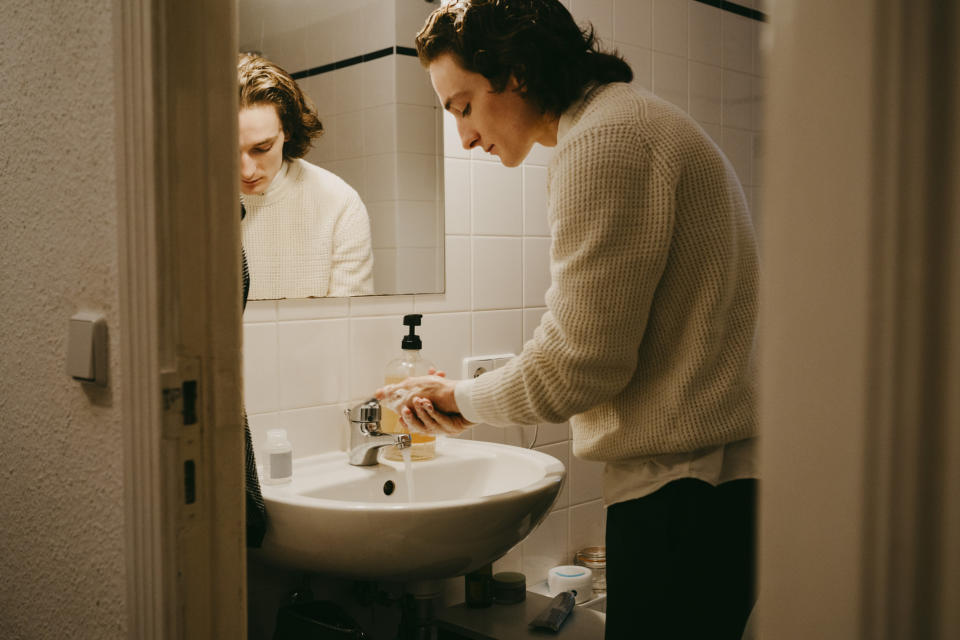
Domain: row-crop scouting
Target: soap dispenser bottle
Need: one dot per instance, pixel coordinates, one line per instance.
(410, 363)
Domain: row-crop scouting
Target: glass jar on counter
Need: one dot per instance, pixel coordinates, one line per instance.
(595, 559)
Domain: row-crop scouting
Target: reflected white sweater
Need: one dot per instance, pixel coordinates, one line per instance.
(308, 235)
(647, 345)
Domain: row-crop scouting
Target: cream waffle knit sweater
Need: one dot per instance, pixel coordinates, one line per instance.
(307, 236)
(647, 345)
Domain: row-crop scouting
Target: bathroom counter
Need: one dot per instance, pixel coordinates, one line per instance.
(509, 622)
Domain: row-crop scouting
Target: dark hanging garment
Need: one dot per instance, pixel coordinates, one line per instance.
(256, 512)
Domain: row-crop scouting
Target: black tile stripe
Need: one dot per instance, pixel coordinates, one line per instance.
(738, 9)
(366, 57)
(723, 5)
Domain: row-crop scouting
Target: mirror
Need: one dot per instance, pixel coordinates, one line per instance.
(355, 60)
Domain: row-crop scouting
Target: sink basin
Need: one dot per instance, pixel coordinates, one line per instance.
(470, 505)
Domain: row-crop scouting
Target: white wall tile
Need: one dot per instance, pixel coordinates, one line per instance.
(417, 269)
(670, 78)
(378, 20)
(379, 129)
(456, 296)
(446, 340)
(417, 177)
(318, 45)
(553, 433)
(380, 306)
(714, 131)
(546, 547)
(456, 193)
(374, 342)
(586, 526)
(315, 430)
(539, 155)
(497, 332)
(413, 83)
(738, 100)
(670, 27)
(416, 129)
(381, 177)
(737, 145)
(496, 267)
(739, 42)
(488, 433)
(586, 480)
(418, 224)
(560, 451)
(378, 82)
(535, 201)
(384, 269)
(599, 13)
(497, 200)
(452, 146)
(641, 62)
(320, 90)
(383, 223)
(513, 561)
(531, 320)
(260, 311)
(260, 368)
(348, 88)
(632, 22)
(705, 33)
(536, 270)
(312, 308)
(348, 129)
(706, 92)
(313, 362)
(352, 172)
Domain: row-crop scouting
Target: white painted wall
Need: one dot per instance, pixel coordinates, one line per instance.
(61, 466)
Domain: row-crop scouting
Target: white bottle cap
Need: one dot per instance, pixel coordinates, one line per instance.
(571, 578)
(277, 434)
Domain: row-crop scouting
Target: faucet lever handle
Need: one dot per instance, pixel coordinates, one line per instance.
(368, 411)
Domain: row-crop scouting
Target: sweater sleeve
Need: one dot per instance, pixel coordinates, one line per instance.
(612, 218)
(351, 259)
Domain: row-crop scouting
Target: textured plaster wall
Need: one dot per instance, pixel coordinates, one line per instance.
(61, 465)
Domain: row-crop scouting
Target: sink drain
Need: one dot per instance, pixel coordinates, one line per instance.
(389, 487)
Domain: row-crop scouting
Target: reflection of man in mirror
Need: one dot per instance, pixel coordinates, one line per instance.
(306, 232)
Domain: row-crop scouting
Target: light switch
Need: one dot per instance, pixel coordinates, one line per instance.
(87, 348)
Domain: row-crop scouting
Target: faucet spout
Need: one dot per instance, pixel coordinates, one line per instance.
(366, 438)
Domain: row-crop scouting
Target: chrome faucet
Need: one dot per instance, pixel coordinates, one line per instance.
(366, 439)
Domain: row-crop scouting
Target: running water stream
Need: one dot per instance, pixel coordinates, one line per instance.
(408, 469)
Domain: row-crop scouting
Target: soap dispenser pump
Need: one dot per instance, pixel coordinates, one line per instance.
(410, 363)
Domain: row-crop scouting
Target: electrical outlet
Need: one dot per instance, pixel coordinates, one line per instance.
(475, 366)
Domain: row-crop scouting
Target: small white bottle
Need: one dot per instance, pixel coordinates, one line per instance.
(278, 462)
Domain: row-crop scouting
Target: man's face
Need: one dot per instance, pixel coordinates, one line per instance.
(503, 124)
(261, 147)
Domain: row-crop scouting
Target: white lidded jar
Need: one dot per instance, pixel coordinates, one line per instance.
(278, 458)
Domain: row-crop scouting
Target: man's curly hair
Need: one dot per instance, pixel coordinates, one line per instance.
(262, 82)
(536, 41)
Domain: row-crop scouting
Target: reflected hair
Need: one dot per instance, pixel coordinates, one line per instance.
(263, 82)
(536, 41)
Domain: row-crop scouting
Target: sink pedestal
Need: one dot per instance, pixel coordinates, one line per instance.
(418, 610)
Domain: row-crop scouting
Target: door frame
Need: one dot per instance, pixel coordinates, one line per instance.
(180, 301)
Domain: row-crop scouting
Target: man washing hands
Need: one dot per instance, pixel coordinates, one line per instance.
(426, 404)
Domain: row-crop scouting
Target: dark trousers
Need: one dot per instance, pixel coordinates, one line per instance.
(681, 562)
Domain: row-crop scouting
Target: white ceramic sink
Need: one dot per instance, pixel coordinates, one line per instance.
(472, 504)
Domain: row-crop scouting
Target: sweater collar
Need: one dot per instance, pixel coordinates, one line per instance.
(278, 186)
(575, 110)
